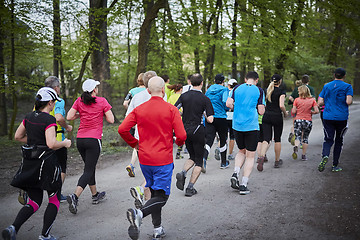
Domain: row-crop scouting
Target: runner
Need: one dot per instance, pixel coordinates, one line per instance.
(156, 121)
(229, 117)
(337, 95)
(40, 169)
(218, 95)
(177, 89)
(134, 91)
(247, 101)
(59, 113)
(303, 120)
(292, 97)
(188, 86)
(91, 110)
(273, 120)
(168, 91)
(194, 104)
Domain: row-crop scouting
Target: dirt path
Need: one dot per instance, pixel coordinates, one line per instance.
(293, 202)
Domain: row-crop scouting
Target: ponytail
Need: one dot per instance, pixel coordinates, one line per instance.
(269, 91)
(87, 99)
(175, 87)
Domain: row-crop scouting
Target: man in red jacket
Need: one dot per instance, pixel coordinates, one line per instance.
(156, 121)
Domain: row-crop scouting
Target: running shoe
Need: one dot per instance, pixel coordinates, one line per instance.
(290, 137)
(203, 169)
(303, 157)
(131, 170)
(41, 237)
(9, 233)
(178, 156)
(266, 159)
(189, 192)
(180, 180)
(159, 233)
(23, 197)
(260, 166)
(186, 151)
(73, 203)
(336, 169)
(217, 153)
(62, 198)
(278, 163)
(243, 190)
(226, 165)
(231, 157)
(138, 195)
(134, 216)
(98, 197)
(294, 155)
(322, 164)
(235, 181)
(293, 140)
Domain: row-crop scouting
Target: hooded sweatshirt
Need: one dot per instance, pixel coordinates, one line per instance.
(218, 95)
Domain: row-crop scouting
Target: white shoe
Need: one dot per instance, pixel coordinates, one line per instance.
(135, 218)
(159, 233)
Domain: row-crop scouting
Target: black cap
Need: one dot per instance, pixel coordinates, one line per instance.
(276, 78)
(340, 72)
(219, 78)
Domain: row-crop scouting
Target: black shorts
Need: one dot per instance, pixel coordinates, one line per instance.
(270, 124)
(230, 129)
(195, 142)
(261, 133)
(247, 140)
(61, 155)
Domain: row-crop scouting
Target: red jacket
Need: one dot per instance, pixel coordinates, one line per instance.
(156, 121)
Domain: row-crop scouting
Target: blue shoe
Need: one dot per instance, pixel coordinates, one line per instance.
(226, 165)
(203, 169)
(131, 170)
(9, 233)
(336, 169)
(98, 197)
(322, 164)
(41, 237)
(62, 198)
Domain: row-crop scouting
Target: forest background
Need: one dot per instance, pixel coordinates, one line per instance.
(113, 41)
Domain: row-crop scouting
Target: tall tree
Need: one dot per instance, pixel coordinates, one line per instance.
(233, 40)
(56, 37)
(151, 10)
(12, 86)
(3, 118)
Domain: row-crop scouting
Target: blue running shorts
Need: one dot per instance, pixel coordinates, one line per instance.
(158, 177)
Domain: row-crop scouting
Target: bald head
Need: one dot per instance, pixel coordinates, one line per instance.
(156, 85)
(147, 76)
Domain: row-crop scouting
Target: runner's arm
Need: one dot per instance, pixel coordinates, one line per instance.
(124, 128)
(109, 116)
(62, 122)
(20, 134)
(230, 103)
(72, 114)
(349, 99)
(320, 101)
(52, 143)
(282, 105)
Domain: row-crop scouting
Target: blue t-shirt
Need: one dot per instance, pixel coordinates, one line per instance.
(59, 108)
(136, 90)
(218, 95)
(246, 99)
(334, 94)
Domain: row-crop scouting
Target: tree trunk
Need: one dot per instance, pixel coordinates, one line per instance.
(265, 59)
(195, 32)
(233, 39)
(357, 70)
(280, 61)
(12, 73)
(144, 36)
(176, 42)
(100, 63)
(128, 20)
(56, 37)
(335, 44)
(3, 110)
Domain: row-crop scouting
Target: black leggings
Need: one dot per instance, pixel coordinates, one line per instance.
(195, 142)
(270, 123)
(89, 149)
(154, 205)
(220, 126)
(33, 204)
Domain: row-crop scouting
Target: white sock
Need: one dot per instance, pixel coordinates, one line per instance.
(237, 170)
(244, 181)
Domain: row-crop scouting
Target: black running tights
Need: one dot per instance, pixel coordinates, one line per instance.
(154, 205)
(33, 204)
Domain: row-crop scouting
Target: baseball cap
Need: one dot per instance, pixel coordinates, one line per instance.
(46, 94)
(219, 78)
(276, 78)
(340, 71)
(232, 81)
(89, 85)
